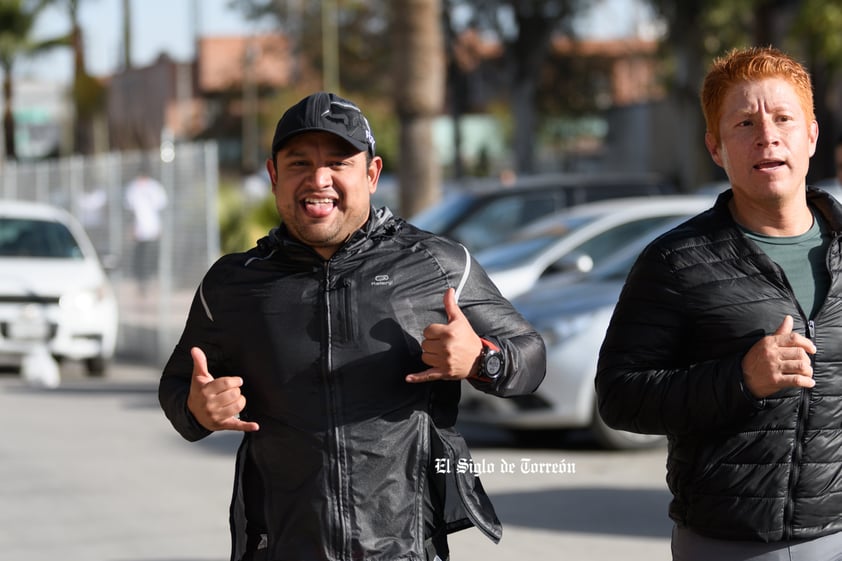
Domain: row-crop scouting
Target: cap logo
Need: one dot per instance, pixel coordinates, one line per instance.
(353, 119)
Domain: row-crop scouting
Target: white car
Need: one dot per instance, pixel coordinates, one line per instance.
(571, 312)
(53, 289)
(581, 238)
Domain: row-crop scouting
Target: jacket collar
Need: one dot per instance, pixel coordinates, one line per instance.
(820, 200)
(380, 221)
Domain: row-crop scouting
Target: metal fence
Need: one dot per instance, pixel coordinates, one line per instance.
(92, 188)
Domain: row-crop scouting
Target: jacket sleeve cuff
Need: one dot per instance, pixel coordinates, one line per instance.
(756, 403)
(191, 429)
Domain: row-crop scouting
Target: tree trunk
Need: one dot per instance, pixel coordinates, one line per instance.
(529, 52)
(523, 112)
(692, 164)
(419, 95)
(82, 120)
(127, 34)
(8, 115)
(457, 84)
(823, 162)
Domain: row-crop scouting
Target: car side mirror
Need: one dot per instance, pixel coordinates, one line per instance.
(573, 263)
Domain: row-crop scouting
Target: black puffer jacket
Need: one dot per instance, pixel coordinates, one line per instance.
(348, 462)
(693, 304)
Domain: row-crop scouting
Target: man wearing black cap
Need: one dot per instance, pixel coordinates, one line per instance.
(337, 345)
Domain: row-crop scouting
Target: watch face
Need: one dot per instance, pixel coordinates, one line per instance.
(493, 365)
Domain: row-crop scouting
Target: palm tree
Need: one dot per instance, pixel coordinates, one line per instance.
(419, 75)
(17, 20)
(88, 93)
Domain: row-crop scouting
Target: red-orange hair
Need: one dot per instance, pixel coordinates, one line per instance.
(750, 64)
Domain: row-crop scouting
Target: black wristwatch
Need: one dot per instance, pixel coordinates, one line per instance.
(491, 361)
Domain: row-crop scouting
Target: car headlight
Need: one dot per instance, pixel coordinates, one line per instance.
(82, 300)
(561, 328)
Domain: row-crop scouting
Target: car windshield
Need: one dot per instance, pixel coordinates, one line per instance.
(520, 251)
(22, 237)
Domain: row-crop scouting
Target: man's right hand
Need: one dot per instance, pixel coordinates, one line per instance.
(779, 361)
(216, 402)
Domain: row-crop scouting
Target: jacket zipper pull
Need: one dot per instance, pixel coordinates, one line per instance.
(811, 335)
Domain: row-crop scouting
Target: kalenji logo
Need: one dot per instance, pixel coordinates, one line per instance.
(382, 280)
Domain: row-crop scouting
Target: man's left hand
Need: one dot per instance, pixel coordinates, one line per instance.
(450, 350)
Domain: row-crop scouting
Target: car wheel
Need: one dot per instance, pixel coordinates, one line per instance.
(614, 439)
(95, 366)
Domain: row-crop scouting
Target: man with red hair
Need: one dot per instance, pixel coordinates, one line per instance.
(726, 337)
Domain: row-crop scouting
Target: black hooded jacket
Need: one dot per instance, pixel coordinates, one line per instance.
(349, 460)
(694, 303)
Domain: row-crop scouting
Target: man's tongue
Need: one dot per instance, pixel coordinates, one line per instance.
(318, 208)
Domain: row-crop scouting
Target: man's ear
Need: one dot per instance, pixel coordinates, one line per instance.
(713, 148)
(813, 135)
(273, 173)
(374, 169)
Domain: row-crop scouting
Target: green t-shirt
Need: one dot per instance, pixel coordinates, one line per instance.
(803, 260)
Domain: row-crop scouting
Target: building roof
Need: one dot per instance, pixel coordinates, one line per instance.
(222, 61)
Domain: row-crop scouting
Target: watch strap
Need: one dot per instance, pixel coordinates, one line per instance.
(487, 346)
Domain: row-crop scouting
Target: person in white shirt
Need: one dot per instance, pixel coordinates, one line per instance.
(146, 198)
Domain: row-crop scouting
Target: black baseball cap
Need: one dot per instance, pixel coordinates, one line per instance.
(324, 111)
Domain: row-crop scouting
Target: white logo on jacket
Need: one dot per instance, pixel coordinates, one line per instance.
(382, 280)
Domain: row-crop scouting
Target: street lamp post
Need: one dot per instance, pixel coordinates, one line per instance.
(330, 46)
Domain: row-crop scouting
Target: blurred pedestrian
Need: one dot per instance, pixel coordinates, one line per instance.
(146, 198)
(726, 335)
(338, 345)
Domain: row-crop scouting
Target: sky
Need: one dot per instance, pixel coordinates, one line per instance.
(158, 26)
(165, 26)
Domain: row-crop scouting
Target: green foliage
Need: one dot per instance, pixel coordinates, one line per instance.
(726, 25)
(15, 26)
(362, 35)
(243, 222)
(721, 25)
(89, 94)
(818, 24)
(384, 125)
(17, 21)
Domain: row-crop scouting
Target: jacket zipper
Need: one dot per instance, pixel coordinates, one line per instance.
(340, 540)
(797, 449)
